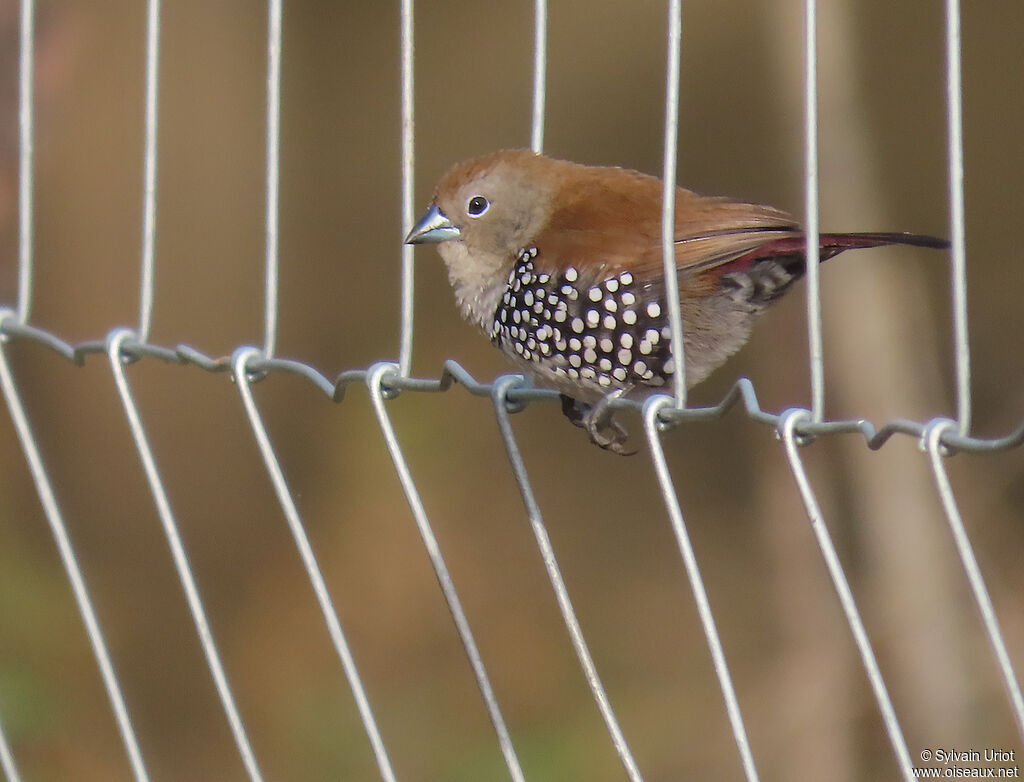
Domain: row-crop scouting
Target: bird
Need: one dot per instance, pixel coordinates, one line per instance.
(561, 266)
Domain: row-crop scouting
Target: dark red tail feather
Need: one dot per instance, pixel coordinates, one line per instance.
(790, 251)
(840, 242)
(832, 244)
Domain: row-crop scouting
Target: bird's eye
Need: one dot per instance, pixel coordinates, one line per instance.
(477, 206)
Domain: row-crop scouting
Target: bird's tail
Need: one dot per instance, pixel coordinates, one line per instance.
(833, 244)
(840, 242)
(787, 254)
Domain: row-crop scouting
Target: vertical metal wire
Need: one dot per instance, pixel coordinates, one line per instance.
(291, 513)
(273, 176)
(7, 764)
(954, 119)
(668, 210)
(654, 405)
(26, 163)
(787, 428)
(811, 231)
(115, 341)
(931, 441)
(408, 159)
(374, 380)
(55, 519)
(149, 174)
(540, 67)
(499, 394)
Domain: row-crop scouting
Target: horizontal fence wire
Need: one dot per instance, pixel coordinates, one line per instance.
(387, 381)
(741, 394)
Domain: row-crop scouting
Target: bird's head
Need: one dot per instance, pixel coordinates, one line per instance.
(484, 212)
(494, 204)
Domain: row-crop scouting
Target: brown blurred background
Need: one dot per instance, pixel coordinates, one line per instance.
(809, 711)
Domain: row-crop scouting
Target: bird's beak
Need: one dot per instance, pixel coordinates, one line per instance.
(433, 227)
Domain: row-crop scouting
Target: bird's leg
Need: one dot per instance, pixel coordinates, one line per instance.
(574, 410)
(605, 432)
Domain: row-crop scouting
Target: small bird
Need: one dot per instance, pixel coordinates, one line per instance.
(560, 265)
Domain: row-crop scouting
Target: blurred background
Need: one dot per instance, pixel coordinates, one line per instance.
(809, 710)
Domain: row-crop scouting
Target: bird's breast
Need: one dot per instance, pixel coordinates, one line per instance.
(572, 331)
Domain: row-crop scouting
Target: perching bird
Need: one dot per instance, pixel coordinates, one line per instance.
(560, 265)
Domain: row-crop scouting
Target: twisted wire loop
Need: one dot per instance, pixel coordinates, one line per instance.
(499, 393)
(788, 432)
(118, 356)
(241, 373)
(55, 518)
(930, 442)
(377, 379)
(651, 410)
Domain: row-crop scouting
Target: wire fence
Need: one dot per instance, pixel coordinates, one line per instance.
(939, 438)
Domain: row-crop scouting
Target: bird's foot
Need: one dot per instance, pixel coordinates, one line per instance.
(598, 419)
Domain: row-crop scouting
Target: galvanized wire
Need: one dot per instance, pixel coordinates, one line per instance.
(668, 196)
(26, 163)
(146, 285)
(930, 441)
(58, 528)
(788, 431)
(741, 393)
(811, 233)
(540, 67)
(376, 380)
(408, 190)
(273, 176)
(958, 238)
(501, 404)
(651, 411)
(241, 374)
(116, 355)
(386, 379)
(7, 764)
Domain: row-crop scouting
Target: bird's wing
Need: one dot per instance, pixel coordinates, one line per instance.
(602, 231)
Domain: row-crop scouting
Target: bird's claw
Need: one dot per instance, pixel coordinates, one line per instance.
(599, 421)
